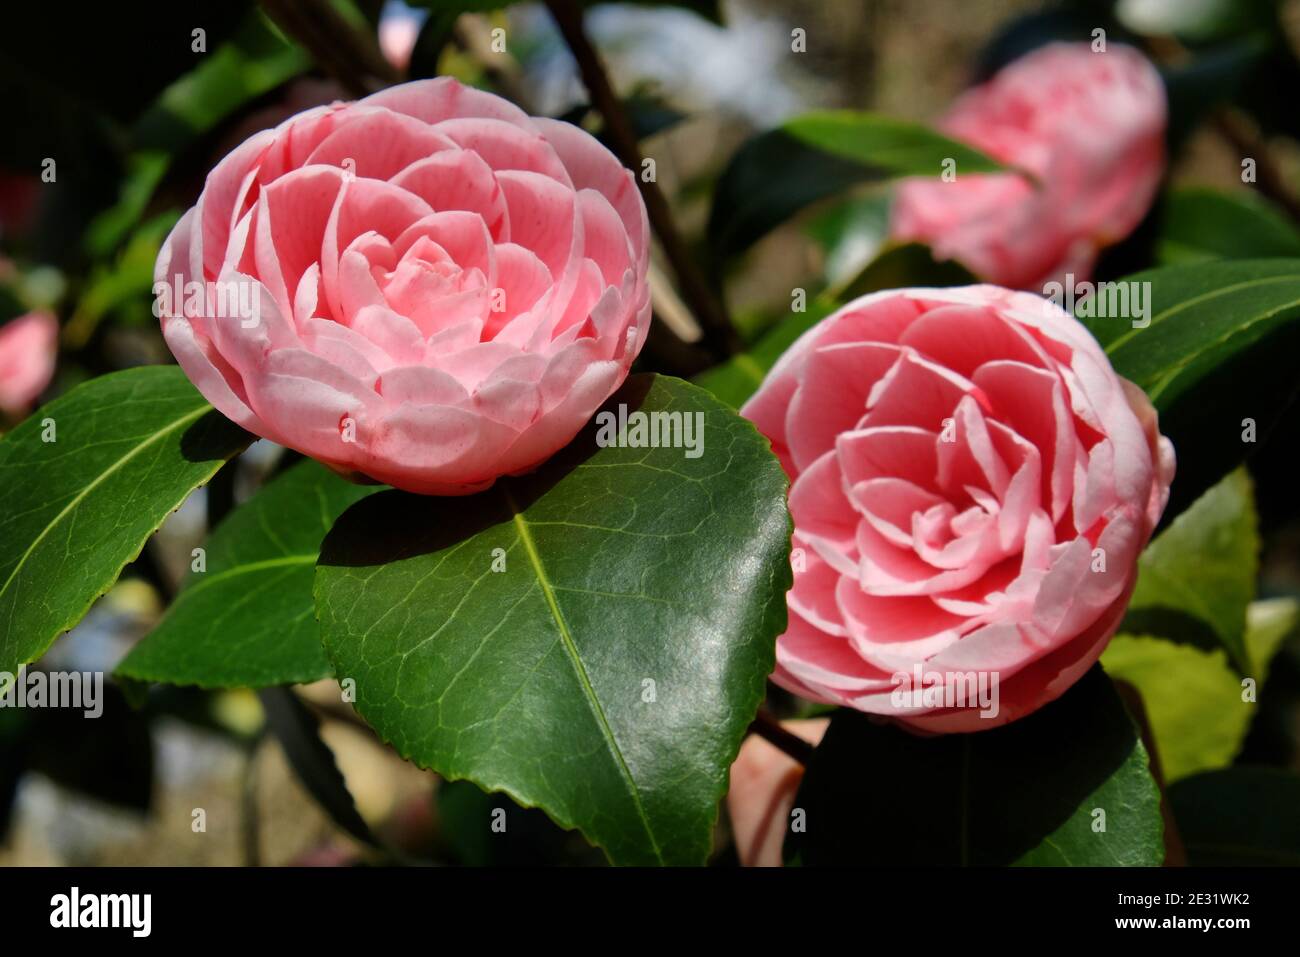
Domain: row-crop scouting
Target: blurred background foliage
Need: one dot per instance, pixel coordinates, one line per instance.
(133, 107)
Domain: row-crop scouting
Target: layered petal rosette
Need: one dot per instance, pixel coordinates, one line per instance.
(971, 487)
(1090, 128)
(435, 289)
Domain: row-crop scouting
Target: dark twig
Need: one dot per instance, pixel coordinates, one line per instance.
(770, 730)
(249, 814)
(720, 336)
(348, 55)
(1268, 177)
(221, 493)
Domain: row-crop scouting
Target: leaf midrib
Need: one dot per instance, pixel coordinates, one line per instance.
(245, 568)
(98, 480)
(1115, 344)
(584, 680)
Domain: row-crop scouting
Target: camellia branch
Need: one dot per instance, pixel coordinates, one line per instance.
(770, 730)
(1236, 129)
(720, 336)
(349, 56)
(1271, 182)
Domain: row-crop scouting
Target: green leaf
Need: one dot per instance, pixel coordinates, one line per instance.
(1193, 698)
(1239, 817)
(469, 822)
(769, 179)
(1025, 793)
(735, 380)
(608, 673)
(248, 619)
(129, 447)
(1216, 359)
(1197, 577)
(892, 146)
(851, 234)
(777, 173)
(122, 285)
(1198, 224)
(254, 61)
(1202, 313)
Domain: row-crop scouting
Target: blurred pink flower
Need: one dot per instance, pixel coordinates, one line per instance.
(1089, 126)
(28, 346)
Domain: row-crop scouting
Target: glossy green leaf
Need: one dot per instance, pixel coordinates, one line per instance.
(1197, 577)
(1197, 223)
(128, 448)
(1026, 793)
(470, 822)
(1193, 697)
(247, 620)
(1239, 817)
(777, 173)
(1216, 359)
(1201, 314)
(894, 146)
(769, 179)
(607, 669)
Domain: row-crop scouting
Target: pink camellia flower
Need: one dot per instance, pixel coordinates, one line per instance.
(27, 350)
(1089, 127)
(426, 287)
(971, 486)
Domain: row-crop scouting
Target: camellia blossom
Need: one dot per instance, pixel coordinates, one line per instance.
(426, 287)
(28, 346)
(1090, 128)
(971, 487)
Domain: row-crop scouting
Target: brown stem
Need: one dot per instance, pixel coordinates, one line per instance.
(249, 813)
(770, 730)
(351, 57)
(720, 336)
(1269, 178)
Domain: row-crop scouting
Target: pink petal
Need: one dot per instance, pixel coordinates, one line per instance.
(459, 179)
(379, 143)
